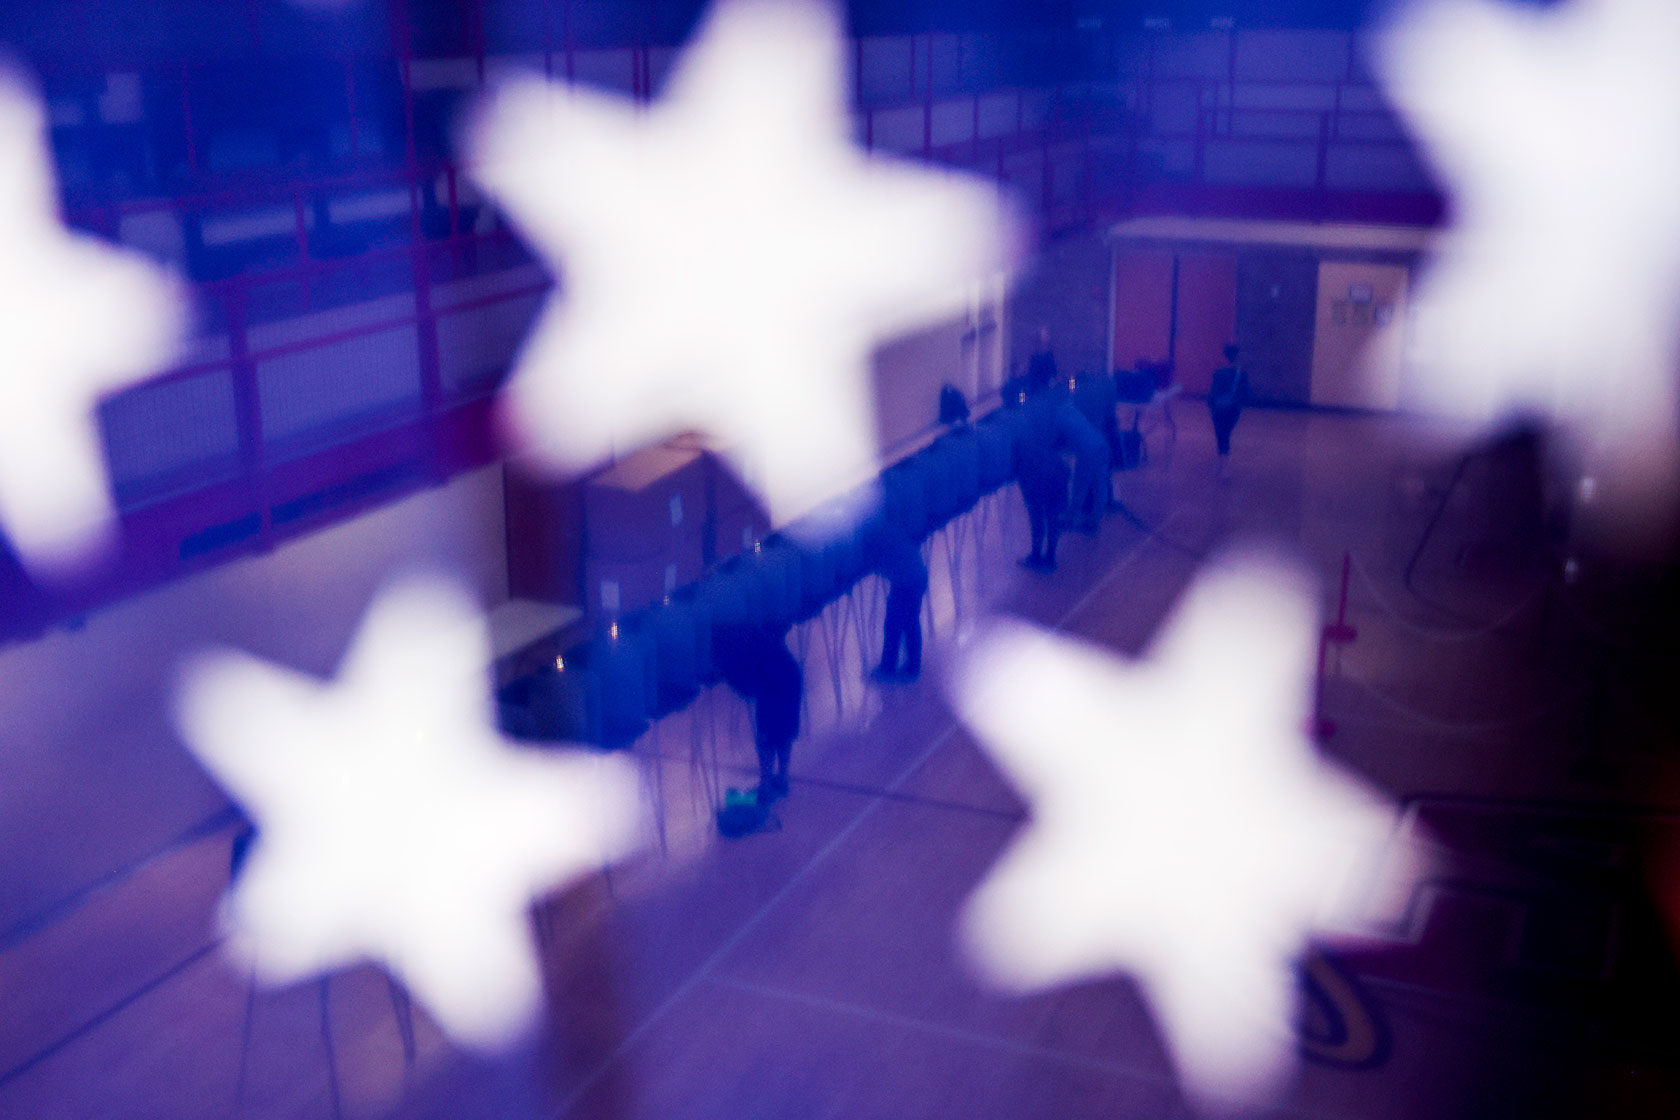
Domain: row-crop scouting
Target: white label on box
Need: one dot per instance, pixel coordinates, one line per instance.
(670, 578)
(676, 509)
(609, 595)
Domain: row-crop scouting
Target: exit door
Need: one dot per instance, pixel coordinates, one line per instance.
(1359, 334)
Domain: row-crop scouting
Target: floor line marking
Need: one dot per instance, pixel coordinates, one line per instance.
(109, 1013)
(821, 856)
(961, 1034)
(1149, 1075)
(31, 924)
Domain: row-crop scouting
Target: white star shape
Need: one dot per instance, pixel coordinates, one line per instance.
(78, 320)
(1556, 291)
(728, 259)
(394, 823)
(1182, 828)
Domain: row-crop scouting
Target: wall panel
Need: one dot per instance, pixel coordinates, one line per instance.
(1358, 337)
(1143, 297)
(1207, 316)
(1277, 301)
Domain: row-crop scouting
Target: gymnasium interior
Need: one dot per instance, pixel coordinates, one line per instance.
(1181, 195)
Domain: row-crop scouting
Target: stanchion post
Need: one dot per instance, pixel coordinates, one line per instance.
(1339, 631)
(1322, 727)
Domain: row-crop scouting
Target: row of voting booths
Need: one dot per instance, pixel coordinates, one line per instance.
(675, 549)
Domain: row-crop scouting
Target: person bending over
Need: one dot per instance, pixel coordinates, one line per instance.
(1090, 465)
(756, 663)
(1099, 402)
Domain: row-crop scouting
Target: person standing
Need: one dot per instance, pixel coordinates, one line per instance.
(897, 559)
(1041, 471)
(756, 663)
(1041, 367)
(1226, 397)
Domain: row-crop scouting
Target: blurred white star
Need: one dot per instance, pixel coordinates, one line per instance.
(394, 823)
(728, 259)
(1182, 829)
(1557, 289)
(79, 320)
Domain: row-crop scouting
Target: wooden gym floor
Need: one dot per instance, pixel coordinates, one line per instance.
(813, 972)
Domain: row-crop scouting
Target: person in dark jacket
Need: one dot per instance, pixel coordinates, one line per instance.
(1099, 402)
(896, 558)
(1091, 474)
(1226, 396)
(755, 661)
(1041, 367)
(1042, 473)
(953, 406)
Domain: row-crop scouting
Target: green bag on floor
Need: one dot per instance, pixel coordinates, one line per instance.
(742, 815)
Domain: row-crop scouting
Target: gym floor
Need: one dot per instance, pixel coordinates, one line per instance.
(813, 971)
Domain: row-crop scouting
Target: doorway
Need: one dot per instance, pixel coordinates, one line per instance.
(1359, 334)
